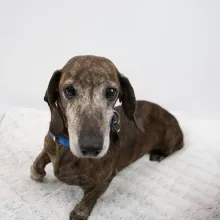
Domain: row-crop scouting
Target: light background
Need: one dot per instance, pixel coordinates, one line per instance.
(170, 50)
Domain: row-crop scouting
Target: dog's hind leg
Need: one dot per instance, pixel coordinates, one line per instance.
(37, 171)
(171, 145)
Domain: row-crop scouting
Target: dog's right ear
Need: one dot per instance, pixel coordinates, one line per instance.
(51, 95)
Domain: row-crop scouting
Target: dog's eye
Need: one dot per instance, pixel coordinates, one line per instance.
(69, 92)
(111, 94)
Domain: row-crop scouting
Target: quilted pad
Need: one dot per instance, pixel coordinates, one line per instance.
(184, 186)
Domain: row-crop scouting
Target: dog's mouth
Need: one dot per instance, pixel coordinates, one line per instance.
(87, 142)
(89, 147)
(91, 142)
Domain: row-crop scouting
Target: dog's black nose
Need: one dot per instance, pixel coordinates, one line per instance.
(90, 146)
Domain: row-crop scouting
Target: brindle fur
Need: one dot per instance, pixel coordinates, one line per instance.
(145, 128)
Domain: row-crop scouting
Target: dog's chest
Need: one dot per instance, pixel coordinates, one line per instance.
(73, 171)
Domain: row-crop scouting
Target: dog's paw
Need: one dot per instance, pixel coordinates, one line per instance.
(77, 216)
(157, 156)
(35, 175)
(80, 212)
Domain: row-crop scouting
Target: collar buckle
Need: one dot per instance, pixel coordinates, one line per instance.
(54, 138)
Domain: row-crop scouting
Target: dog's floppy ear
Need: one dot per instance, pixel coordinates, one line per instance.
(51, 95)
(127, 97)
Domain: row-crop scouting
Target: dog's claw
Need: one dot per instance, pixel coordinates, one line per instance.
(35, 175)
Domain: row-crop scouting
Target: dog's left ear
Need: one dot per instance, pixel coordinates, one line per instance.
(127, 97)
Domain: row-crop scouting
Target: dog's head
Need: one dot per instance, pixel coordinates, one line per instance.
(81, 97)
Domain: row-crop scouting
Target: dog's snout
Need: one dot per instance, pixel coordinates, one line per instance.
(90, 151)
(90, 146)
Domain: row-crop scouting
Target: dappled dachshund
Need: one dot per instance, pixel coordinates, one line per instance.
(89, 139)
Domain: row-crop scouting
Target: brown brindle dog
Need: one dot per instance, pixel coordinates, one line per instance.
(81, 97)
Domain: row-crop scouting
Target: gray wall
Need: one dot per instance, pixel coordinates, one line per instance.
(170, 50)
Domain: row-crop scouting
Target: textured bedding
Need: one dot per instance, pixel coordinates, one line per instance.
(184, 186)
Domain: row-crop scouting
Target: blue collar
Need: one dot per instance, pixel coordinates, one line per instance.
(65, 142)
(62, 140)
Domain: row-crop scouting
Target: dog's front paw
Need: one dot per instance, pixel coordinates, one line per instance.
(78, 216)
(79, 213)
(36, 176)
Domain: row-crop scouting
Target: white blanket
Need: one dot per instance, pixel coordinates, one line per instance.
(184, 186)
